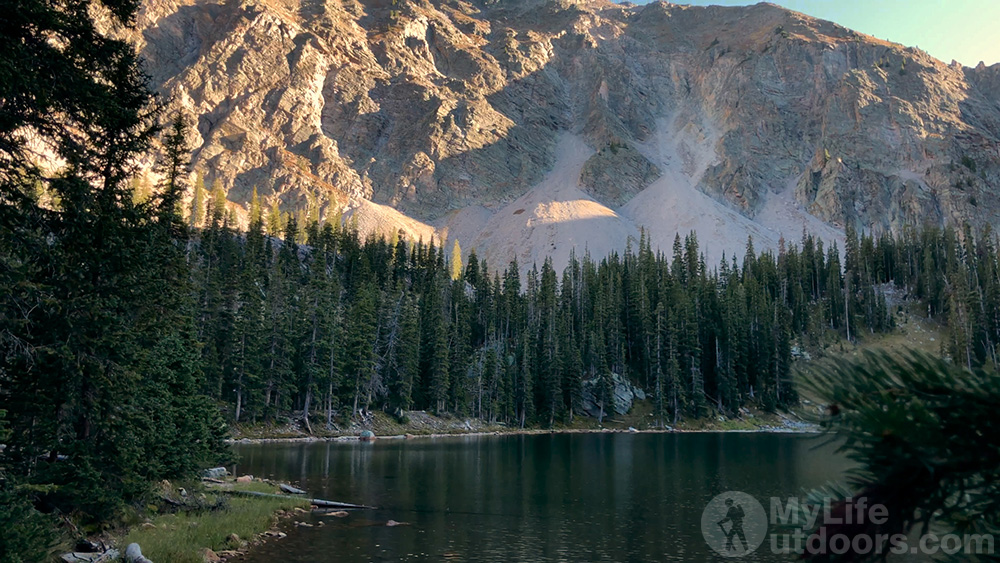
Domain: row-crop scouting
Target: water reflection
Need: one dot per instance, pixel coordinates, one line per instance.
(558, 497)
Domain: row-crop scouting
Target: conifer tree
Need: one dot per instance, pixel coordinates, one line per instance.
(176, 162)
(407, 364)
(359, 353)
(275, 222)
(456, 261)
(199, 208)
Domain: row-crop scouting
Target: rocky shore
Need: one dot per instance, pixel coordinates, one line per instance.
(420, 424)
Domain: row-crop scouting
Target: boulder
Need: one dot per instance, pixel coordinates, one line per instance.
(133, 554)
(215, 473)
(367, 436)
(244, 479)
(209, 556)
(623, 395)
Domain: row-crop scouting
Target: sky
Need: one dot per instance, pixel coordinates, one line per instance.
(964, 30)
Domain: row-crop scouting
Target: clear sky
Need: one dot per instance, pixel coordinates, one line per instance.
(965, 30)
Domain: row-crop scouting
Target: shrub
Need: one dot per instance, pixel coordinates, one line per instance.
(28, 535)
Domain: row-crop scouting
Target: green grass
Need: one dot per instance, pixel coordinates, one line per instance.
(759, 421)
(738, 424)
(181, 537)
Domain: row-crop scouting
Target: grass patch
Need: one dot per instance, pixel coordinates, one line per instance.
(738, 424)
(181, 537)
(752, 420)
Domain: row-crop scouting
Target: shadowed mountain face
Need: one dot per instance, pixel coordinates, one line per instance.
(434, 116)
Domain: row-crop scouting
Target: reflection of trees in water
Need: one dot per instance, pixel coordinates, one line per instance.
(304, 465)
(326, 461)
(540, 497)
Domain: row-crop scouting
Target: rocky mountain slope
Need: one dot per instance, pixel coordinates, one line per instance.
(530, 127)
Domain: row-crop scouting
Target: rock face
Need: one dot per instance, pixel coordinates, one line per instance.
(616, 173)
(432, 115)
(624, 394)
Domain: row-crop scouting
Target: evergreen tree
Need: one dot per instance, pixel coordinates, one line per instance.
(199, 209)
(175, 164)
(407, 364)
(359, 353)
(456, 261)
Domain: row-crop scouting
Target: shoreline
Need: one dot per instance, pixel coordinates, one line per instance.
(214, 521)
(803, 429)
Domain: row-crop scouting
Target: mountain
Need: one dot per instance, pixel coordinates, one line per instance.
(532, 127)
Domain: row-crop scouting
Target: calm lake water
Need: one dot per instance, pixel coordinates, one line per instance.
(553, 497)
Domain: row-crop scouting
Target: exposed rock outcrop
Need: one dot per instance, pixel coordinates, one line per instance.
(616, 173)
(623, 395)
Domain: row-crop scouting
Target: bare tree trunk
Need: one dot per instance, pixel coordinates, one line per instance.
(239, 400)
(329, 406)
(307, 403)
(239, 380)
(270, 380)
(305, 407)
(847, 303)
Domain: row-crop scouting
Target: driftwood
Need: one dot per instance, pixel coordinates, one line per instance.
(314, 501)
(290, 489)
(171, 501)
(81, 557)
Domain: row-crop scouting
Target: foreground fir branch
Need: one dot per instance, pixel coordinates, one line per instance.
(926, 436)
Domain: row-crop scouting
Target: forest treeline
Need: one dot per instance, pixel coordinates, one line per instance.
(317, 322)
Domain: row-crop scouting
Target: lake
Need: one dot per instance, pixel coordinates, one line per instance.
(543, 497)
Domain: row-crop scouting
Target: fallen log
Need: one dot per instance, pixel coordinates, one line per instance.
(170, 501)
(84, 557)
(291, 490)
(314, 501)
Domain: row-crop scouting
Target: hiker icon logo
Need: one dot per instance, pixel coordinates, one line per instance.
(734, 524)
